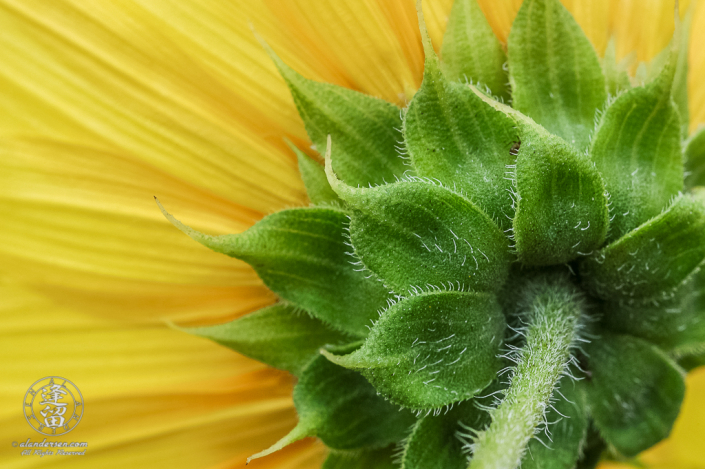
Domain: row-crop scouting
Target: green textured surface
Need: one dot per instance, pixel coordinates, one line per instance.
(471, 52)
(677, 325)
(637, 149)
(432, 349)
(566, 432)
(300, 254)
(653, 260)
(434, 442)
(551, 317)
(554, 71)
(364, 129)
(345, 411)
(562, 212)
(634, 392)
(695, 159)
(373, 459)
(415, 234)
(453, 136)
(280, 336)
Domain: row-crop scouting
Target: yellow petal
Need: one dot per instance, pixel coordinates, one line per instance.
(643, 26)
(149, 391)
(356, 43)
(123, 79)
(500, 14)
(593, 17)
(82, 226)
(436, 16)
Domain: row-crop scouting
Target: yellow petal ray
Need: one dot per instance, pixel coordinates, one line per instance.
(40, 338)
(436, 15)
(147, 389)
(500, 14)
(403, 21)
(593, 16)
(643, 26)
(355, 39)
(144, 95)
(696, 77)
(83, 226)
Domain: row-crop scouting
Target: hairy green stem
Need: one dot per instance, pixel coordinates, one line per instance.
(552, 312)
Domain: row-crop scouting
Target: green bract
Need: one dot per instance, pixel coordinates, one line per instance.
(483, 285)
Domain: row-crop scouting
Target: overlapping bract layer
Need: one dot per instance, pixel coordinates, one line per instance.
(395, 271)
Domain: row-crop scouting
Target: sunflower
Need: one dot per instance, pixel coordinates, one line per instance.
(105, 104)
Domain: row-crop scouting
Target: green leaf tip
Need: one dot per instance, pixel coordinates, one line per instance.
(312, 243)
(365, 128)
(471, 51)
(654, 259)
(561, 202)
(281, 335)
(453, 136)
(211, 242)
(431, 59)
(301, 430)
(637, 150)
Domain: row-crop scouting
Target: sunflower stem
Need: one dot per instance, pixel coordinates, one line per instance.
(552, 309)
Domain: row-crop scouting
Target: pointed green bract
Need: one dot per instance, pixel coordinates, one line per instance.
(280, 336)
(634, 392)
(616, 76)
(471, 51)
(301, 255)
(431, 350)
(341, 408)
(416, 234)
(637, 150)
(653, 260)
(435, 443)
(370, 459)
(562, 208)
(564, 435)
(365, 129)
(695, 159)
(554, 71)
(453, 136)
(314, 177)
